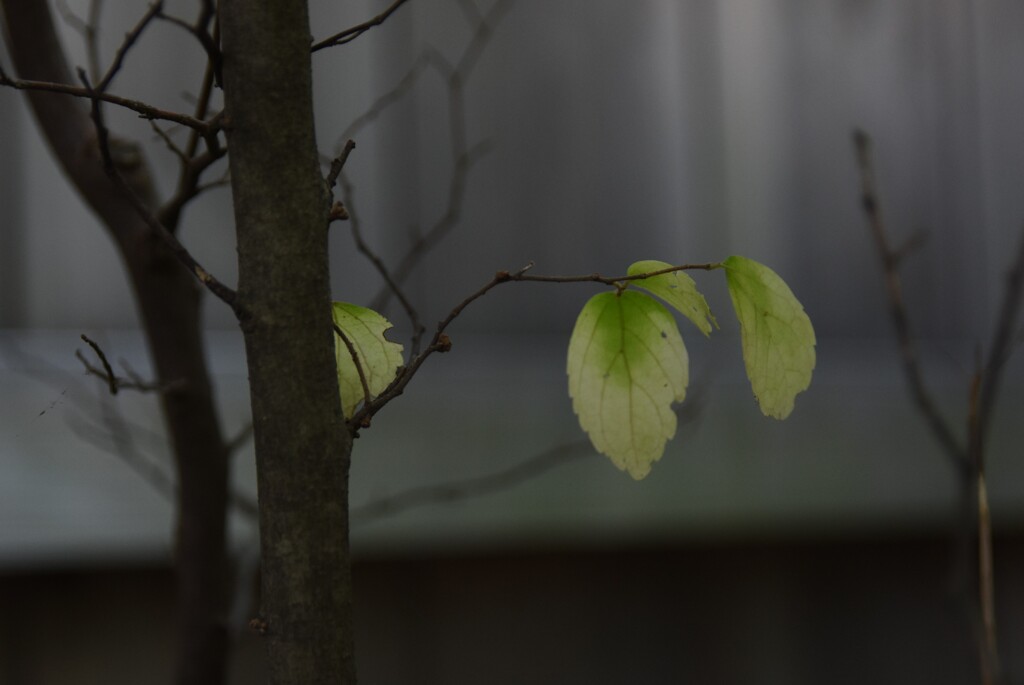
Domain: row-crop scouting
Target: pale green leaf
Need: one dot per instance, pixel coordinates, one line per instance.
(379, 358)
(626, 365)
(778, 339)
(676, 288)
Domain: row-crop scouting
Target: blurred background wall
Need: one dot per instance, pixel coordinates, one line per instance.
(817, 550)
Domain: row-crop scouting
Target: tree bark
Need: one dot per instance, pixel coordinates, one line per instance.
(168, 301)
(302, 443)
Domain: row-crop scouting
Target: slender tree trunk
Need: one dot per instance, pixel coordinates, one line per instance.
(168, 301)
(302, 444)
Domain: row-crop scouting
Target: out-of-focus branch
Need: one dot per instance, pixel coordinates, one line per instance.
(1001, 346)
(89, 30)
(969, 458)
(890, 259)
(470, 488)
(500, 481)
(364, 248)
(463, 159)
(463, 156)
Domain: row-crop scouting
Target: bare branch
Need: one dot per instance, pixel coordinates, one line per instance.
(470, 11)
(353, 32)
(129, 40)
(442, 343)
(363, 247)
(113, 381)
(200, 30)
(500, 481)
(1003, 337)
(463, 157)
(225, 294)
(898, 311)
(107, 373)
(482, 36)
(355, 360)
(469, 488)
(89, 30)
(171, 145)
(189, 185)
(205, 128)
(338, 163)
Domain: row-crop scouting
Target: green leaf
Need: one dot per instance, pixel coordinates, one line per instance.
(379, 358)
(627, 364)
(676, 288)
(778, 339)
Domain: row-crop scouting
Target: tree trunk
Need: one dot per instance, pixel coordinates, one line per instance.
(302, 443)
(168, 301)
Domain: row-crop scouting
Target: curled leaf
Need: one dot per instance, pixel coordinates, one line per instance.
(676, 288)
(627, 364)
(379, 358)
(778, 339)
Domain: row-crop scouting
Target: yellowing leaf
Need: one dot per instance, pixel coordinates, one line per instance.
(379, 358)
(676, 288)
(626, 366)
(778, 339)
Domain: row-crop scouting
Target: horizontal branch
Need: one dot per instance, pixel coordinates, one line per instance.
(204, 128)
(442, 343)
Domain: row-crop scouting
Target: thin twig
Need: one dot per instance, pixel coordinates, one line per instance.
(224, 293)
(107, 370)
(463, 157)
(367, 397)
(114, 382)
(444, 225)
(499, 481)
(192, 164)
(129, 40)
(88, 29)
(200, 30)
(364, 248)
(469, 488)
(189, 186)
(164, 136)
(353, 32)
(204, 128)
(442, 343)
(890, 258)
(338, 163)
(1003, 336)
